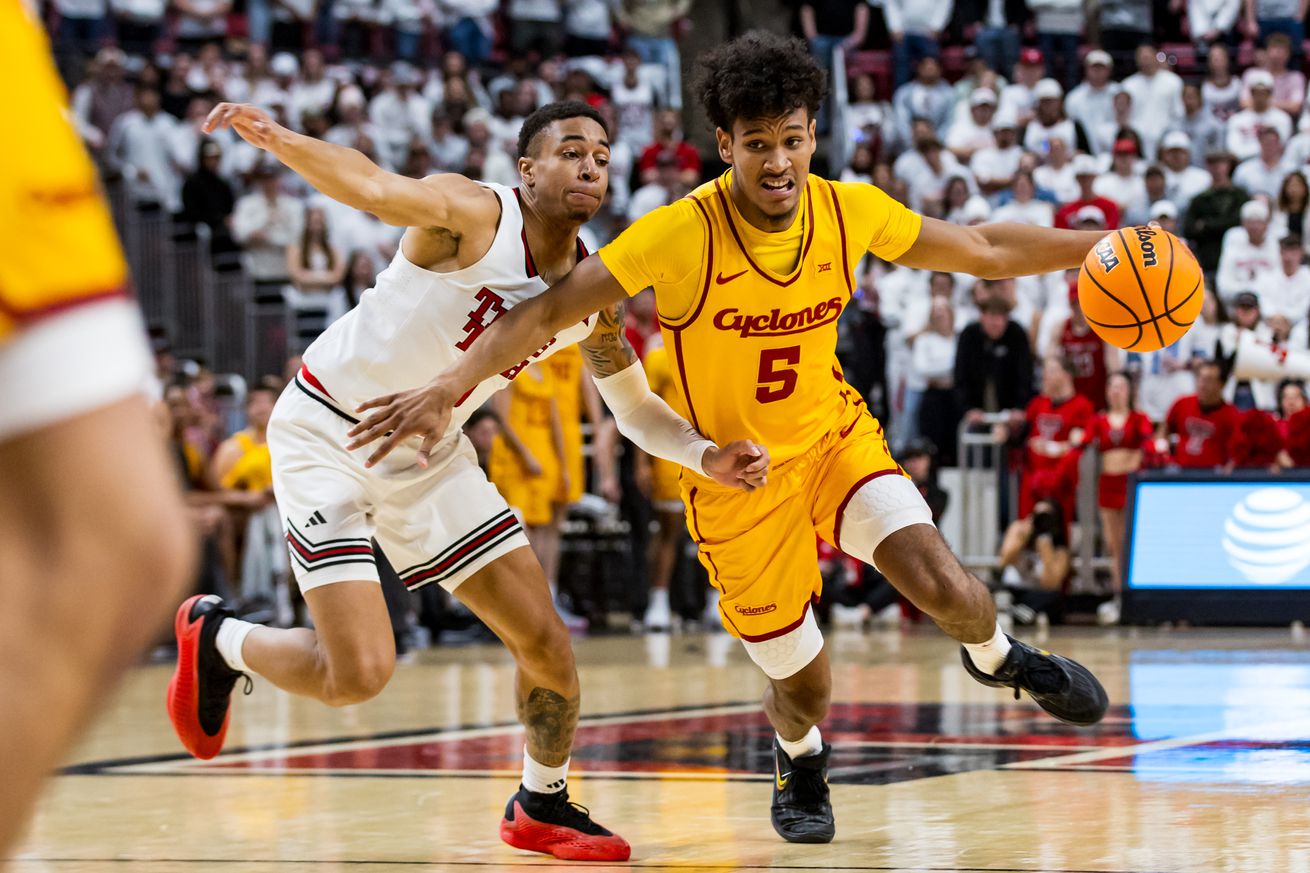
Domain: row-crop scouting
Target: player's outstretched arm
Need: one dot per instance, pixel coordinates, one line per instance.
(997, 251)
(348, 176)
(643, 416)
(511, 339)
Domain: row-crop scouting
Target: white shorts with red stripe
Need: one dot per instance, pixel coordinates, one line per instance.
(441, 524)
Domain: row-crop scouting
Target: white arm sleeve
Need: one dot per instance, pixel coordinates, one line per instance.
(644, 417)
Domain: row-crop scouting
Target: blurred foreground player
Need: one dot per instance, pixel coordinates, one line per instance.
(750, 273)
(94, 541)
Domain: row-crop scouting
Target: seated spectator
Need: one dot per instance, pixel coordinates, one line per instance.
(1056, 421)
(1290, 207)
(1214, 212)
(316, 269)
(1157, 94)
(200, 21)
(313, 92)
(1023, 206)
(1091, 104)
(265, 222)
(668, 137)
(1288, 85)
(1256, 442)
(1247, 251)
(974, 132)
(1245, 393)
(1221, 92)
(399, 113)
(652, 30)
(1165, 213)
(535, 27)
(1211, 20)
(1050, 122)
(993, 360)
(994, 168)
(1205, 132)
(928, 97)
(1182, 180)
(1086, 171)
(634, 96)
(101, 98)
(1286, 291)
(1035, 561)
(1293, 425)
(1198, 427)
(861, 165)
(1122, 183)
(361, 273)
(871, 120)
(469, 29)
(1018, 98)
(1244, 127)
(1126, 442)
(1264, 172)
(667, 188)
(1055, 179)
(926, 171)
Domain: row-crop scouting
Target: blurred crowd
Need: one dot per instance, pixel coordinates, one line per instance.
(1189, 113)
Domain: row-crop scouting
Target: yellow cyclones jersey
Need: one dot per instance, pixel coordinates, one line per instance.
(749, 317)
(530, 397)
(659, 374)
(57, 243)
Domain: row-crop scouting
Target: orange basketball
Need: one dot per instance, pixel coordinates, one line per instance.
(1140, 288)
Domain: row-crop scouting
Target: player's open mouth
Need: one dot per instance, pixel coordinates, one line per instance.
(778, 187)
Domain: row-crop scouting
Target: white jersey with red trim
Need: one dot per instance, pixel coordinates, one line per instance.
(415, 323)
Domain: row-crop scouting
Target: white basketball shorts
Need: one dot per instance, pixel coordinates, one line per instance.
(441, 524)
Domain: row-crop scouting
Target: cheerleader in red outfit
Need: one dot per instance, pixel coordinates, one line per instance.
(1126, 440)
(1293, 425)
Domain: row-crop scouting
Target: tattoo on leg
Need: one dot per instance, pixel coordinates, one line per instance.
(550, 720)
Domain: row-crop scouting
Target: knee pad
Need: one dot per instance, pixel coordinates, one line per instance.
(880, 508)
(788, 654)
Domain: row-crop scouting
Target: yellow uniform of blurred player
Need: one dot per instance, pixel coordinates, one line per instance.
(664, 490)
(93, 538)
(525, 459)
(565, 368)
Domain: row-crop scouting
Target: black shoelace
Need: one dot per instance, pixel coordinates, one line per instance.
(1039, 674)
(562, 811)
(808, 788)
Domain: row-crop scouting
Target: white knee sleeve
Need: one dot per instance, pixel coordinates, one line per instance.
(883, 506)
(787, 655)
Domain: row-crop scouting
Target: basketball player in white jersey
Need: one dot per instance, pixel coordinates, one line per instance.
(471, 252)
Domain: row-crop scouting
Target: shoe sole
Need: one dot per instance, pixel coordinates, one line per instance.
(563, 843)
(806, 838)
(183, 699)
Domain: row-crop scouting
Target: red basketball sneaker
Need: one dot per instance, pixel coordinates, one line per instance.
(552, 825)
(201, 687)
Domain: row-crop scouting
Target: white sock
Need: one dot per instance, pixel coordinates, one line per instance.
(543, 779)
(230, 638)
(810, 744)
(989, 656)
(659, 596)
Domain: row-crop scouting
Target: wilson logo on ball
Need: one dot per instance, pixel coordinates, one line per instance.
(1144, 235)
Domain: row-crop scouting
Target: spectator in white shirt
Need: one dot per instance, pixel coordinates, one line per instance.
(1205, 131)
(274, 92)
(1211, 20)
(1017, 98)
(1291, 206)
(469, 28)
(201, 21)
(314, 91)
(1056, 177)
(1244, 127)
(994, 168)
(140, 147)
(926, 171)
(634, 95)
(1289, 85)
(265, 222)
(1121, 183)
(1286, 291)
(353, 129)
(932, 373)
(1164, 213)
(1247, 251)
(970, 134)
(102, 98)
(1025, 208)
(666, 189)
(137, 24)
(1157, 94)
(1091, 104)
(1049, 119)
(587, 28)
(914, 27)
(1263, 173)
(928, 96)
(399, 113)
(1182, 180)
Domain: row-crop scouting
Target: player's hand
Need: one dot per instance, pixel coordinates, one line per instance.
(421, 412)
(741, 464)
(251, 123)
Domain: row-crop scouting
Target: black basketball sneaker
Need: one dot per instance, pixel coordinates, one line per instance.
(201, 688)
(1061, 686)
(801, 810)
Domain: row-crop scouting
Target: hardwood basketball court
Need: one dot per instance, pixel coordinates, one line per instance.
(1203, 764)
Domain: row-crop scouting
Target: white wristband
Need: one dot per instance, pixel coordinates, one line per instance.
(644, 417)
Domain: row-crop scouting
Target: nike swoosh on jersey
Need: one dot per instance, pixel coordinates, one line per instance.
(721, 280)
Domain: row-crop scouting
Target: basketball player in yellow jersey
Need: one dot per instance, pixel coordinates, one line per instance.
(750, 274)
(94, 542)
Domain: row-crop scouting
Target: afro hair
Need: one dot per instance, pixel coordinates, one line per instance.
(759, 75)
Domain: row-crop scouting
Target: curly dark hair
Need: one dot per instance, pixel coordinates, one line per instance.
(759, 75)
(549, 114)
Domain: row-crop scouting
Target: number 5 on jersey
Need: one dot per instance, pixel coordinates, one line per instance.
(777, 374)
